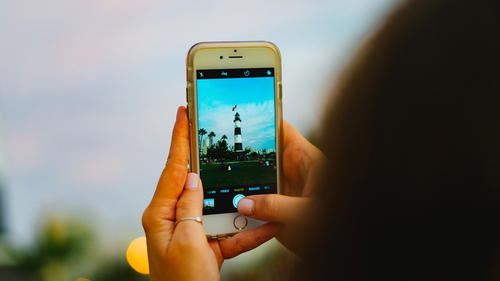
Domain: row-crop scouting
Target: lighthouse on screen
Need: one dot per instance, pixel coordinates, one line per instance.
(238, 145)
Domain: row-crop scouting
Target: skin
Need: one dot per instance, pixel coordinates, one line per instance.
(302, 161)
(183, 252)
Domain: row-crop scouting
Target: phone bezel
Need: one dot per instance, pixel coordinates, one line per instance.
(206, 55)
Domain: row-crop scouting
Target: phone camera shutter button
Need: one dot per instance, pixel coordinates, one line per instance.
(240, 222)
(237, 199)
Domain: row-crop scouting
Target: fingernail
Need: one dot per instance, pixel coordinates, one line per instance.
(245, 206)
(192, 181)
(179, 110)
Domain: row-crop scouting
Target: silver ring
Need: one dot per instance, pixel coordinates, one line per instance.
(196, 219)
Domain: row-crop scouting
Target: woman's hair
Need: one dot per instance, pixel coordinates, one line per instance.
(412, 188)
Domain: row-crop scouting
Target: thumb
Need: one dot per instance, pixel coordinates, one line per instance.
(273, 207)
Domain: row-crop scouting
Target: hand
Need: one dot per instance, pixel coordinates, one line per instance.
(302, 163)
(183, 252)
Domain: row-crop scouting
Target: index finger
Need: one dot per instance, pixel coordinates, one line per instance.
(174, 174)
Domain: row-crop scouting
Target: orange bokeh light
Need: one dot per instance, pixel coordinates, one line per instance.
(137, 255)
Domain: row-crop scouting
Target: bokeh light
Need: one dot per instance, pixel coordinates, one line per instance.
(137, 255)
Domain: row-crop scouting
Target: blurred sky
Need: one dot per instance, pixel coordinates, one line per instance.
(89, 89)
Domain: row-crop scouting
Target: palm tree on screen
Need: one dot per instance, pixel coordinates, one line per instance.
(201, 133)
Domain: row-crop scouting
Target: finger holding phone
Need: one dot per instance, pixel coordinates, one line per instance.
(302, 163)
(178, 248)
(240, 145)
(179, 218)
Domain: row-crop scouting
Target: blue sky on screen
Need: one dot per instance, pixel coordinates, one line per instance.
(254, 98)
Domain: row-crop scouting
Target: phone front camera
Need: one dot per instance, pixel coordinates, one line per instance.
(221, 57)
(235, 51)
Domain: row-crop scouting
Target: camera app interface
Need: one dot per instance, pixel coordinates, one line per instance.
(236, 135)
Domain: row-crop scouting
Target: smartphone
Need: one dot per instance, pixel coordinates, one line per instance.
(235, 116)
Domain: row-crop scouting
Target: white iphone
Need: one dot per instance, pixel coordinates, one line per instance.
(234, 104)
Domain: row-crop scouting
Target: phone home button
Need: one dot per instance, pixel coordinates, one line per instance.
(240, 222)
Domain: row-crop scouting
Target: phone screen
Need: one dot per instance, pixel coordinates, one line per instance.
(236, 135)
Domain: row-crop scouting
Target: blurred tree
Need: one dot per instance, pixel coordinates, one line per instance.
(2, 226)
(65, 249)
(59, 251)
(117, 269)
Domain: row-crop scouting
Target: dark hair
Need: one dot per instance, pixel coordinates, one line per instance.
(412, 190)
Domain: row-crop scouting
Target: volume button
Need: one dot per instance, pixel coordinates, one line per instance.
(187, 96)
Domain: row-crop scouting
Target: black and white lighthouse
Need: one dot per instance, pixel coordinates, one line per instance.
(238, 142)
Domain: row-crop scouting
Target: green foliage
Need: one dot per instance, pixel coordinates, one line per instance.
(66, 249)
(57, 252)
(117, 269)
(220, 151)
